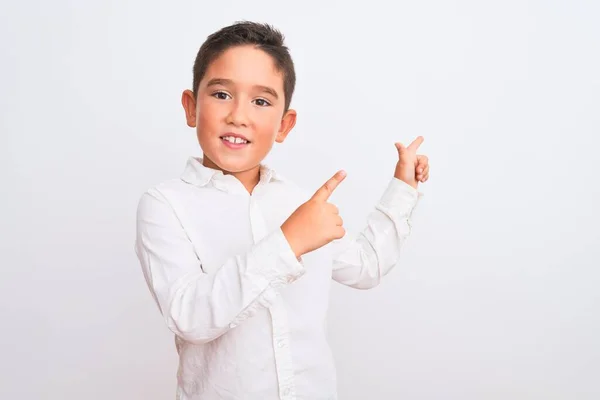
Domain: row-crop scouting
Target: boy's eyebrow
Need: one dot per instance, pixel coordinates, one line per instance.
(267, 89)
(225, 82)
(219, 81)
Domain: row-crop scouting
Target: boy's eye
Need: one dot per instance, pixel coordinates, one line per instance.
(262, 103)
(220, 95)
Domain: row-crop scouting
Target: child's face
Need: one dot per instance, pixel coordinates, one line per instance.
(240, 96)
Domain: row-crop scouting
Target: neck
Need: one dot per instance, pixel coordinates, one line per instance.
(248, 178)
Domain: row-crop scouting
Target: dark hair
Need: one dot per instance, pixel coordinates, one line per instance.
(262, 36)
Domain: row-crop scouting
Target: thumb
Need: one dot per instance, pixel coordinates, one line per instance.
(325, 191)
(401, 149)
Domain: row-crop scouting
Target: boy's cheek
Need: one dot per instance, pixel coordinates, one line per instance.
(208, 118)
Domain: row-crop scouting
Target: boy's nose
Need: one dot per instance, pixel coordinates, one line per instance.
(238, 115)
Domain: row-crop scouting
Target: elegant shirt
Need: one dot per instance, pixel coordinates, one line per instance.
(249, 318)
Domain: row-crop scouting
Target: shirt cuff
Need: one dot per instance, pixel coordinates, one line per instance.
(284, 267)
(399, 198)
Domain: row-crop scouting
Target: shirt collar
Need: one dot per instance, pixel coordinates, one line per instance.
(199, 175)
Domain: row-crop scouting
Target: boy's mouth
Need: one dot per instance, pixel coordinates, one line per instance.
(234, 141)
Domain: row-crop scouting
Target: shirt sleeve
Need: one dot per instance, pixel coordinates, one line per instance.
(199, 306)
(362, 262)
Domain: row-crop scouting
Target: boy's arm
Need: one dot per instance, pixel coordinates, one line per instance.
(199, 306)
(362, 262)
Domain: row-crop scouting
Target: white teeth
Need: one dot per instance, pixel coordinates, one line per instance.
(236, 140)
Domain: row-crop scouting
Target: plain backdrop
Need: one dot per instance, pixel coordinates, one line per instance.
(497, 294)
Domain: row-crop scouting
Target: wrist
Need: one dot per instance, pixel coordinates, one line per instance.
(292, 241)
(413, 183)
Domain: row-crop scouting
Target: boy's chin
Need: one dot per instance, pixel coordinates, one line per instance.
(234, 164)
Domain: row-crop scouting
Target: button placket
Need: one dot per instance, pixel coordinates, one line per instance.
(282, 351)
(280, 326)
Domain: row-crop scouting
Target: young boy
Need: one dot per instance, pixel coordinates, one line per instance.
(239, 260)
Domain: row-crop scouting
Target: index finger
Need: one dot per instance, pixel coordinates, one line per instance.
(327, 189)
(416, 143)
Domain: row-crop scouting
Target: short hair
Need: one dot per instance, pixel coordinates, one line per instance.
(263, 36)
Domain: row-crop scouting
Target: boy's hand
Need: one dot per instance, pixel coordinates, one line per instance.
(316, 222)
(411, 167)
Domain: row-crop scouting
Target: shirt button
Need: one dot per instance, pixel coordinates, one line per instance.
(280, 344)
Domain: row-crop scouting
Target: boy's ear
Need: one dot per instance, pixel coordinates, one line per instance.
(189, 105)
(287, 123)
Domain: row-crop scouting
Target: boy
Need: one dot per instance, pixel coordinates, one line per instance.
(238, 259)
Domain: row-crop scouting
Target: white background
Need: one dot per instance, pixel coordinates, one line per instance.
(497, 295)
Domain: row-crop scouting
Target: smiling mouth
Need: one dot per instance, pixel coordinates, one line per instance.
(234, 140)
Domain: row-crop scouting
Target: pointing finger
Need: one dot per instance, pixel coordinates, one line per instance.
(327, 189)
(416, 143)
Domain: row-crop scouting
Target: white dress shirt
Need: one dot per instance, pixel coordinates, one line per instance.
(249, 318)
